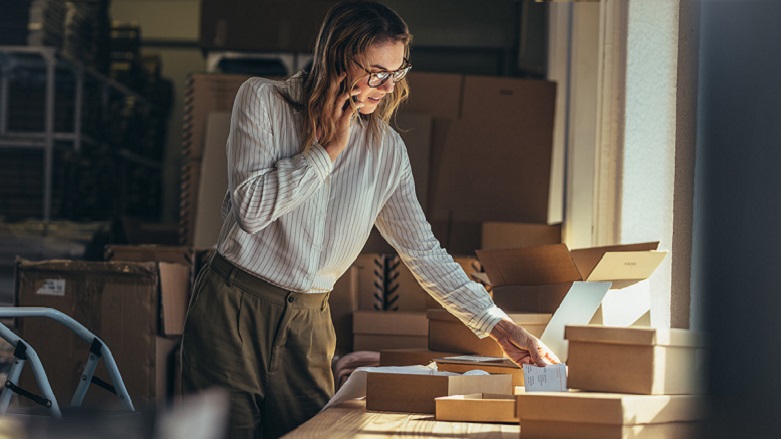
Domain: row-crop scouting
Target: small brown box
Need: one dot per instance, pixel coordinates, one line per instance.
(477, 407)
(586, 415)
(396, 392)
(647, 361)
(499, 367)
(377, 330)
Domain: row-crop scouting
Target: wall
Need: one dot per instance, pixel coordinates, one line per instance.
(647, 180)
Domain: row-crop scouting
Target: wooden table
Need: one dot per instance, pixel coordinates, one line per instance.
(351, 420)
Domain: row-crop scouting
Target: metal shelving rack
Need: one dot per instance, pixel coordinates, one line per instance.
(27, 57)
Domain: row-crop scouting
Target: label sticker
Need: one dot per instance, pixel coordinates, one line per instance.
(52, 287)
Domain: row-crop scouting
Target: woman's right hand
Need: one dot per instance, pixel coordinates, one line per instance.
(343, 113)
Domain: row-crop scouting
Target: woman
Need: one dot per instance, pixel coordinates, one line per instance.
(313, 165)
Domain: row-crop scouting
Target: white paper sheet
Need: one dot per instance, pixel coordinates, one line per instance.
(551, 378)
(577, 308)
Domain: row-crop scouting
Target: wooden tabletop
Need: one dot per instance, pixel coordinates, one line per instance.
(351, 420)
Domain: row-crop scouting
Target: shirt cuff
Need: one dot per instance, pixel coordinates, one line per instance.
(483, 323)
(318, 157)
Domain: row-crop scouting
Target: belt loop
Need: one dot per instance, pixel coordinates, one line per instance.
(231, 276)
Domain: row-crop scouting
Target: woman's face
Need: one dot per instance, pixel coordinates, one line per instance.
(380, 57)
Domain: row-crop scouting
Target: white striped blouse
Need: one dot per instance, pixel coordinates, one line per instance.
(299, 221)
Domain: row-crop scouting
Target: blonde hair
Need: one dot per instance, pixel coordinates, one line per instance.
(348, 30)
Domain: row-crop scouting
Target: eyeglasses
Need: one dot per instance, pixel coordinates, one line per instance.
(376, 79)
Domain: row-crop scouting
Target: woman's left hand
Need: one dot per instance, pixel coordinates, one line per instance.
(522, 347)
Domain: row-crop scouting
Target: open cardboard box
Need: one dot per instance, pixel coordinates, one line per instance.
(586, 415)
(477, 407)
(447, 333)
(646, 361)
(176, 271)
(571, 284)
(505, 366)
(397, 392)
(117, 301)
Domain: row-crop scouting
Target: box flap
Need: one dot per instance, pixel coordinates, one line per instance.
(627, 265)
(547, 264)
(609, 408)
(644, 336)
(586, 259)
(174, 296)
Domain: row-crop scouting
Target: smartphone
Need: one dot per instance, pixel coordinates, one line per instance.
(347, 103)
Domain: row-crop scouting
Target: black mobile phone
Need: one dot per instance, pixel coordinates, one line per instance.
(343, 88)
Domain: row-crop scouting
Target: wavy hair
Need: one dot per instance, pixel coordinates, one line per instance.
(348, 30)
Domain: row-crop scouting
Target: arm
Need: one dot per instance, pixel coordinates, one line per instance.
(263, 186)
(403, 224)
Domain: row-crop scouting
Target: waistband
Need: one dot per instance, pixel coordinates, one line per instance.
(261, 288)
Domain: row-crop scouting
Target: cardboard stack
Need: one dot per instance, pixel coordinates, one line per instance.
(135, 301)
(120, 302)
(653, 377)
(417, 393)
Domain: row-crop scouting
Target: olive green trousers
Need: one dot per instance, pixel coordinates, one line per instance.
(271, 349)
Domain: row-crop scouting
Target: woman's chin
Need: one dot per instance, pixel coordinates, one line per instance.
(367, 109)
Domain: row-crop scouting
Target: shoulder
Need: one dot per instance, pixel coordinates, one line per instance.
(392, 146)
(263, 89)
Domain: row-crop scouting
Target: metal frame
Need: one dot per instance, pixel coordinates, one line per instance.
(24, 352)
(45, 140)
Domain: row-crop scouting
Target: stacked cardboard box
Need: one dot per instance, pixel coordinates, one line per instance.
(653, 376)
(136, 302)
(417, 393)
(120, 302)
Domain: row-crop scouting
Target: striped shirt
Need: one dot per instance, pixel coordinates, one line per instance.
(299, 221)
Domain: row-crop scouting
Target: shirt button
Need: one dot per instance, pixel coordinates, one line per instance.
(291, 299)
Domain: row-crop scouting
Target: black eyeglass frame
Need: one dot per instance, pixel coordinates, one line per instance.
(403, 71)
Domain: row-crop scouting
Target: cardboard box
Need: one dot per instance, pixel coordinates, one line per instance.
(458, 237)
(416, 393)
(378, 330)
(499, 367)
(585, 415)
(477, 407)
(571, 285)
(118, 302)
(384, 280)
(509, 118)
(497, 235)
(176, 273)
(447, 333)
(204, 93)
(646, 361)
